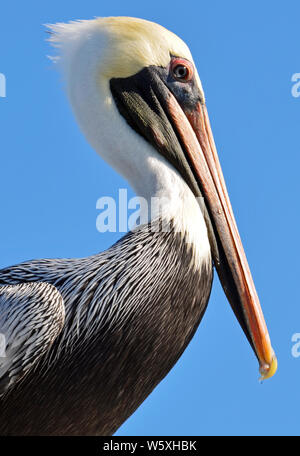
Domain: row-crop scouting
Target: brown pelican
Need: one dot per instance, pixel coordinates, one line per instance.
(87, 340)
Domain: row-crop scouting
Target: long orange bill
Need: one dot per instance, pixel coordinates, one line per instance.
(195, 133)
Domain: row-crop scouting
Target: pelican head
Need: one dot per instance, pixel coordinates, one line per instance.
(138, 99)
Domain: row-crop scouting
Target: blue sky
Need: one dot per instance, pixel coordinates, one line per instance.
(246, 54)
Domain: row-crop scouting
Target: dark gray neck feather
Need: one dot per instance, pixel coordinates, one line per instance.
(130, 313)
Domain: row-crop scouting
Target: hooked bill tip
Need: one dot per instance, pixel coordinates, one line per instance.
(268, 370)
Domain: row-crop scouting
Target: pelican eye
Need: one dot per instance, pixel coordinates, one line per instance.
(182, 70)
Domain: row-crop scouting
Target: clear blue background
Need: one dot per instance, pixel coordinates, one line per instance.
(246, 53)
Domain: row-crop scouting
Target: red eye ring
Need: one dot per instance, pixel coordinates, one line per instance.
(182, 70)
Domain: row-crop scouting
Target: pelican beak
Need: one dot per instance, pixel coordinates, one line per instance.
(181, 131)
(194, 129)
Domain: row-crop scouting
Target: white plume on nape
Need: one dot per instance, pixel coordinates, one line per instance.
(63, 32)
(66, 38)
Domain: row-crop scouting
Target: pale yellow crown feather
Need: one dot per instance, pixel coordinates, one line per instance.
(131, 43)
(136, 43)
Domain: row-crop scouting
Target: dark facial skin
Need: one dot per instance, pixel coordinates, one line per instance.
(185, 89)
(141, 100)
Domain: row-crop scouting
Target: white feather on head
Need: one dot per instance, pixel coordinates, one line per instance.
(131, 44)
